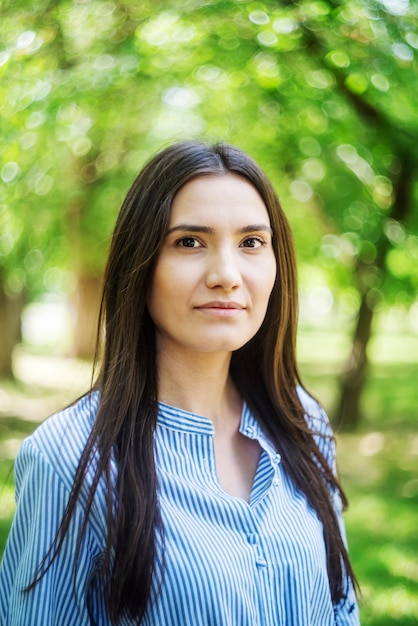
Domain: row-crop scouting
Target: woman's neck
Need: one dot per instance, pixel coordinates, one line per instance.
(201, 384)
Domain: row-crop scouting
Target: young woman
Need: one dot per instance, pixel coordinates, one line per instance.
(195, 484)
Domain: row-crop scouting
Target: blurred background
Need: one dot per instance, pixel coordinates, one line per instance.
(324, 95)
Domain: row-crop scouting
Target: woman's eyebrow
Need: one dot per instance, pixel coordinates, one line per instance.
(191, 228)
(194, 228)
(255, 227)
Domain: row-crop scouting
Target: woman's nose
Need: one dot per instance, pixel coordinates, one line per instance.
(223, 270)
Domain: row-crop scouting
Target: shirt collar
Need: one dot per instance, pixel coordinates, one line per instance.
(187, 422)
(251, 428)
(184, 421)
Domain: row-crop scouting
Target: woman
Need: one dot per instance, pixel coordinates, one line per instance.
(196, 483)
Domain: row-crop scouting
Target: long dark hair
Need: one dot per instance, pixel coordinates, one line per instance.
(264, 371)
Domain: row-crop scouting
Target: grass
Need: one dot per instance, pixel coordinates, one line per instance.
(378, 466)
(379, 471)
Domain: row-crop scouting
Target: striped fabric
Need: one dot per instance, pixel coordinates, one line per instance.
(227, 562)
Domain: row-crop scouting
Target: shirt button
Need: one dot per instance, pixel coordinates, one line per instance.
(252, 539)
(276, 482)
(260, 561)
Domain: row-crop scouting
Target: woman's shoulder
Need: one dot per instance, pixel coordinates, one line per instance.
(318, 423)
(315, 415)
(314, 411)
(71, 426)
(60, 440)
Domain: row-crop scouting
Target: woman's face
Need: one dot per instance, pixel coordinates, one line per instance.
(216, 270)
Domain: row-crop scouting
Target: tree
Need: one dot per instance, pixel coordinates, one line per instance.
(391, 123)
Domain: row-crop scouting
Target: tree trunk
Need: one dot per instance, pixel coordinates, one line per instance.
(87, 304)
(348, 414)
(10, 329)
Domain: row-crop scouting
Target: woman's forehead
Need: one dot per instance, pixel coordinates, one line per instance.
(219, 196)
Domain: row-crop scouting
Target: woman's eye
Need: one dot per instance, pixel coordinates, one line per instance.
(188, 242)
(253, 242)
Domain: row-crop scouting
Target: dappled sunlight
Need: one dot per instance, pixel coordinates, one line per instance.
(52, 372)
(45, 385)
(379, 473)
(410, 488)
(390, 396)
(7, 500)
(9, 448)
(385, 458)
(395, 602)
(371, 444)
(401, 562)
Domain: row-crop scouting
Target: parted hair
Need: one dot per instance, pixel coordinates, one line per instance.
(264, 371)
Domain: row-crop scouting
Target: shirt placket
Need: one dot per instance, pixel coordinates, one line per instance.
(266, 479)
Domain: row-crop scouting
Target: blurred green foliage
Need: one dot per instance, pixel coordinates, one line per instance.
(320, 92)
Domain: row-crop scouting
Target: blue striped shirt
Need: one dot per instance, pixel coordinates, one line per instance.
(227, 562)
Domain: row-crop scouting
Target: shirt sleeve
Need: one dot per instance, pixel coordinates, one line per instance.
(346, 612)
(58, 599)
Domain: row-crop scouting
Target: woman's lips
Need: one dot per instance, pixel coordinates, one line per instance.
(221, 308)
